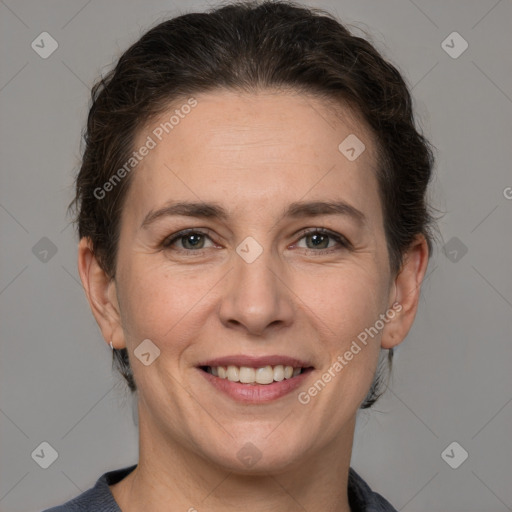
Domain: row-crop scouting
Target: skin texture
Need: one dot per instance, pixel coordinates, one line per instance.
(253, 154)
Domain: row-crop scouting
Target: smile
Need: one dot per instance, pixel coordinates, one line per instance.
(255, 384)
(247, 375)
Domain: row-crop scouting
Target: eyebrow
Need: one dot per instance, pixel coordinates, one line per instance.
(216, 211)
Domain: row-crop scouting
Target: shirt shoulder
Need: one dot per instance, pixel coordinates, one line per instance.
(98, 498)
(362, 499)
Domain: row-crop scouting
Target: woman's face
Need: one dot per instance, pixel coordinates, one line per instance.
(251, 283)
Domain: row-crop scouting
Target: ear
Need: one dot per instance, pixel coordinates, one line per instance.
(100, 290)
(405, 293)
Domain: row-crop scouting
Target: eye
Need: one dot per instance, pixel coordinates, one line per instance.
(320, 238)
(192, 240)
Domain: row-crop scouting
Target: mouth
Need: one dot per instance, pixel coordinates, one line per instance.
(255, 380)
(264, 375)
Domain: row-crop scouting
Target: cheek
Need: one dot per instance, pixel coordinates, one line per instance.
(165, 309)
(344, 308)
(342, 301)
(160, 305)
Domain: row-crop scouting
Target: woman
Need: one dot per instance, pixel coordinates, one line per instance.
(253, 238)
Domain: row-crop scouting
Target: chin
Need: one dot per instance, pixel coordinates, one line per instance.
(257, 454)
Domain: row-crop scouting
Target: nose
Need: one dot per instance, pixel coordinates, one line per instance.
(257, 297)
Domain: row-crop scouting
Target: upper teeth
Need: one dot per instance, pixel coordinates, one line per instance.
(247, 375)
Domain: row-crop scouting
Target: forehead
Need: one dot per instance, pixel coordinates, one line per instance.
(252, 151)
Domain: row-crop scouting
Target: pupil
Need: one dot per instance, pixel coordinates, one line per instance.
(316, 239)
(189, 238)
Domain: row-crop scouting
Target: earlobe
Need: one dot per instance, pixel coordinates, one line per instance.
(99, 289)
(407, 288)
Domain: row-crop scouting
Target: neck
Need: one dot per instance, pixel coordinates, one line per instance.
(173, 474)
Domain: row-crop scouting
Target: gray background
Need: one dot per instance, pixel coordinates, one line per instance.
(452, 379)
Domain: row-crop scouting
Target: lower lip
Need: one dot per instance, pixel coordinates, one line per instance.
(256, 393)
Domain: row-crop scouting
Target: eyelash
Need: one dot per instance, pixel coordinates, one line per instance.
(340, 239)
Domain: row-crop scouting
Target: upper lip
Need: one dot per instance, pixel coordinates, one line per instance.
(256, 362)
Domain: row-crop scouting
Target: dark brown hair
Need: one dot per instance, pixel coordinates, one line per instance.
(250, 46)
